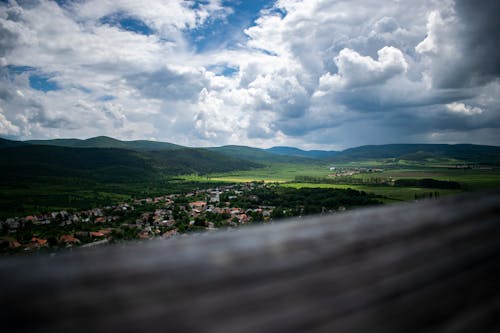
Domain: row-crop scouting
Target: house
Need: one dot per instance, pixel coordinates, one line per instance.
(243, 218)
(199, 205)
(37, 242)
(68, 239)
(96, 234)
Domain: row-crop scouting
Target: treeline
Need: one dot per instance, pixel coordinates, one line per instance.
(427, 183)
(378, 181)
(304, 201)
(341, 180)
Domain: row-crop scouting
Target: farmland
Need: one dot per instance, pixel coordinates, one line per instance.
(470, 179)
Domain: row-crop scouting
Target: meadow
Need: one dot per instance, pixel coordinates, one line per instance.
(271, 173)
(472, 179)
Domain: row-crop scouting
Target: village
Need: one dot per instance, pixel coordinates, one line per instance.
(347, 172)
(163, 216)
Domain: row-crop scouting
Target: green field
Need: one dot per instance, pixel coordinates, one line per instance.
(285, 174)
(273, 173)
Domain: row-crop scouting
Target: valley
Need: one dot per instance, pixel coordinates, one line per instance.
(58, 189)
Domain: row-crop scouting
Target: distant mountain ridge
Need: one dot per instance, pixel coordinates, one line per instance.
(259, 155)
(283, 154)
(292, 151)
(107, 142)
(419, 152)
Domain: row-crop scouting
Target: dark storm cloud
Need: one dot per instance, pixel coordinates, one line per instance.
(479, 44)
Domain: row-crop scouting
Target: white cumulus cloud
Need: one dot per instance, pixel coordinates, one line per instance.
(355, 70)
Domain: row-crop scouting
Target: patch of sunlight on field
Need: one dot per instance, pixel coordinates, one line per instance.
(274, 173)
(315, 185)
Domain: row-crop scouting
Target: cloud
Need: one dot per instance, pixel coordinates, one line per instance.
(171, 82)
(462, 43)
(315, 73)
(164, 16)
(481, 41)
(355, 70)
(461, 108)
(386, 25)
(6, 127)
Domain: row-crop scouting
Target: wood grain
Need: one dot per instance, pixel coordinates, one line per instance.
(419, 267)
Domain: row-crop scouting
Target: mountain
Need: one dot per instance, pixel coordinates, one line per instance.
(198, 160)
(4, 143)
(292, 151)
(420, 152)
(107, 142)
(110, 164)
(175, 159)
(33, 161)
(259, 155)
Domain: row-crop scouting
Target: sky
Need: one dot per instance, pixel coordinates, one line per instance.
(314, 74)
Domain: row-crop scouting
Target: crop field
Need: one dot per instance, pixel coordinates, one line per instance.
(285, 174)
(273, 173)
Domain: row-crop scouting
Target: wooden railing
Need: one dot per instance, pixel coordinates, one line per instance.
(421, 267)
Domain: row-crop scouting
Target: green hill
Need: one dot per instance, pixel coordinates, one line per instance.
(4, 143)
(111, 164)
(292, 151)
(259, 155)
(107, 142)
(31, 162)
(198, 160)
(422, 152)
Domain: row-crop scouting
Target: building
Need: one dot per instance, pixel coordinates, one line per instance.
(215, 196)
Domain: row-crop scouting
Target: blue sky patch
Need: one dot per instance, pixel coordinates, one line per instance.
(37, 81)
(128, 23)
(42, 83)
(16, 70)
(228, 33)
(229, 71)
(223, 70)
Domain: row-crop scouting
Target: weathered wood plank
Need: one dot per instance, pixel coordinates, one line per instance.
(430, 266)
